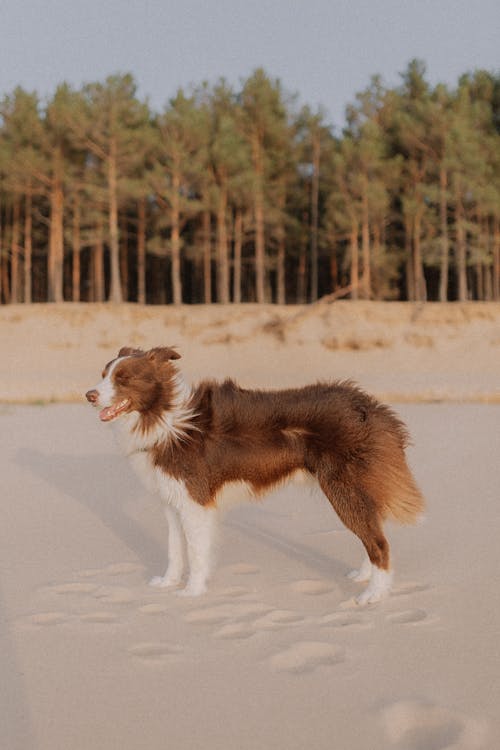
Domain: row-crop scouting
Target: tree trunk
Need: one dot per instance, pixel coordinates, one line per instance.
(14, 251)
(316, 145)
(115, 288)
(302, 274)
(260, 260)
(124, 258)
(460, 249)
(354, 250)
(28, 244)
(488, 283)
(207, 257)
(443, 219)
(56, 234)
(176, 241)
(496, 259)
(281, 275)
(334, 272)
(418, 272)
(141, 252)
(479, 281)
(222, 254)
(238, 243)
(1, 255)
(98, 266)
(376, 262)
(410, 280)
(4, 271)
(281, 255)
(366, 282)
(75, 272)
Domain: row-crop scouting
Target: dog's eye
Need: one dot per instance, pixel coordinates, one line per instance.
(121, 378)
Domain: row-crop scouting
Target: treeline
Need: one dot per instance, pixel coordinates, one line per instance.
(230, 196)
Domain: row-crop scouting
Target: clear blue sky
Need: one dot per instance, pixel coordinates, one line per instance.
(325, 50)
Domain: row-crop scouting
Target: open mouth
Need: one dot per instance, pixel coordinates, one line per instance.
(111, 412)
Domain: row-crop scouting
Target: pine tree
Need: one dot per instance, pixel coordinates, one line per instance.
(107, 120)
(229, 160)
(174, 177)
(263, 121)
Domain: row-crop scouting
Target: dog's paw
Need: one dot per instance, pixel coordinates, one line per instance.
(363, 573)
(359, 575)
(164, 582)
(192, 590)
(369, 596)
(378, 588)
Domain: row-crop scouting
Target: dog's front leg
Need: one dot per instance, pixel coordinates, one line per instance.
(199, 523)
(176, 543)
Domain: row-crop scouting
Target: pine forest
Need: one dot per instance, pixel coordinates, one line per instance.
(229, 196)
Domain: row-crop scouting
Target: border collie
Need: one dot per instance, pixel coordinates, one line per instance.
(193, 445)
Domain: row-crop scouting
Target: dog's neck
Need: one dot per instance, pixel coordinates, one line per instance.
(138, 434)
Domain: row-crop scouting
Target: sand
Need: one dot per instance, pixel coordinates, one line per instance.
(276, 655)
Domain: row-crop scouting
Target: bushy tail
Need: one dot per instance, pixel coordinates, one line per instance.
(404, 502)
(391, 484)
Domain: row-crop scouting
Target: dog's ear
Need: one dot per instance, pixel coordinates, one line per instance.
(162, 354)
(128, 351)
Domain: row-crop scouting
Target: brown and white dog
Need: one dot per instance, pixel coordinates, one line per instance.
(193, 444)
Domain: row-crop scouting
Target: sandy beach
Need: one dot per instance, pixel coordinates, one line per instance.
(277, 654)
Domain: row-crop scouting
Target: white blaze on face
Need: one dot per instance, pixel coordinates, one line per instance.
(107, 395)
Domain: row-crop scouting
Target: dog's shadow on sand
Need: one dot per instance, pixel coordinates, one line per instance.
(105, 486)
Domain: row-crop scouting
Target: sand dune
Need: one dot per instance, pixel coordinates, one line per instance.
(276, 654)
(397, 350)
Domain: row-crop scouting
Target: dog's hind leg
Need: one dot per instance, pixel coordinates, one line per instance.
(359, 513)
(176, 552)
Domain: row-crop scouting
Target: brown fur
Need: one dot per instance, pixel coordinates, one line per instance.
(353, 445)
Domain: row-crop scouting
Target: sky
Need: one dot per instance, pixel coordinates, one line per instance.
(323, 50)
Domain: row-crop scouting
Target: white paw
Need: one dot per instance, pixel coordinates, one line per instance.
(359, 576)
(192, 590)
(377, 589)
(164, 582)
(363, 574)
(369, 596)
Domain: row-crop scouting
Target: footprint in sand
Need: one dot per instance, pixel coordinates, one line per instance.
(154, 609)
(278, 619)
(346, 621)
(233, 592)
(312, 587)
(414, 725)
(222, 613)
(115, 569)
(104, 618)
(49, 618)
(73, 588)
(408, 616)
(155, 652)
(89, 573)
(235, 631)
(123, 568)
(242, 569)
(406, 589)
(306, 656)
(114, 594)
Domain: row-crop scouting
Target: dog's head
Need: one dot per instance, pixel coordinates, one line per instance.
(136, 381)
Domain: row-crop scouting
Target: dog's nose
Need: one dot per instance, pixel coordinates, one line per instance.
(92, 396)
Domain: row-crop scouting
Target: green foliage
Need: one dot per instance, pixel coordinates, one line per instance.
(243, 185)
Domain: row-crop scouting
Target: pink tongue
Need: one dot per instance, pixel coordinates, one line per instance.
(106, 414)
